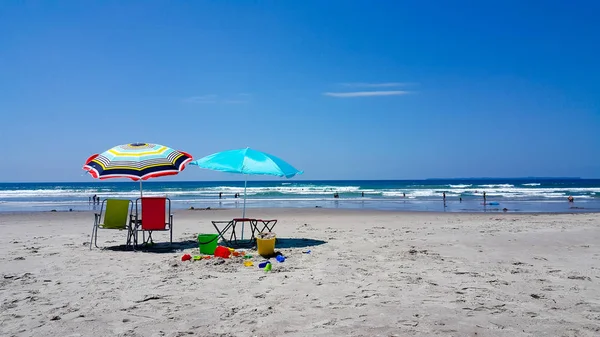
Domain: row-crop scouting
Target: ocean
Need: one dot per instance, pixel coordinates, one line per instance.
(516, 195)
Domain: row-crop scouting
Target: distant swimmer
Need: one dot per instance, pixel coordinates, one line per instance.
(570, 198)
(484, 197)
(444, 196)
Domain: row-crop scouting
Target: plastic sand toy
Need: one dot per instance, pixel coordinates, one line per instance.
(186, 257)
(248, 263)
(223, 252)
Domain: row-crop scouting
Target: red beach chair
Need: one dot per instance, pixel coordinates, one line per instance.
(155, 215)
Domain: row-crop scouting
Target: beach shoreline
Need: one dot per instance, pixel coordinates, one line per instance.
(311, 210)
(407, 195)
(368, 273)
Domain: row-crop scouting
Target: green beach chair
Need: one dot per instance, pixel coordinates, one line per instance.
(116, 213)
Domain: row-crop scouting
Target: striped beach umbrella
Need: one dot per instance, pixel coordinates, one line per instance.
(137, 161)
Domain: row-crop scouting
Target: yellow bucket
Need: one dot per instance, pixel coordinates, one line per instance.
(265, 247)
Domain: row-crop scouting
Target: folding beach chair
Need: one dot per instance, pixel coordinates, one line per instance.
(115, 217)
(264, 225)
(223, 227)
(152, 214)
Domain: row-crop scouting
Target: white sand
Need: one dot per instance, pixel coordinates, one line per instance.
(378, 274)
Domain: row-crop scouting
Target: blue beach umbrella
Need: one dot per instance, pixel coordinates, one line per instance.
(247, 161)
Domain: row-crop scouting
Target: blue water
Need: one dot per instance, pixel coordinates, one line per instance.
(517, 195)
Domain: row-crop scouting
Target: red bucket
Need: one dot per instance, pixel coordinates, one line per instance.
(223, 252)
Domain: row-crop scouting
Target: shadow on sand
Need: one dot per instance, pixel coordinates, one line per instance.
(283, 243)
(164, 247)
(158, 247)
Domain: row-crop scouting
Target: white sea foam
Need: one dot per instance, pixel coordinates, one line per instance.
(497, 185)
(532, 184)
(44, 192)
(311, 191)
(410, 193)
(213, 191)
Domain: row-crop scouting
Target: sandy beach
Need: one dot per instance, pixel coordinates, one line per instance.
(368, 273)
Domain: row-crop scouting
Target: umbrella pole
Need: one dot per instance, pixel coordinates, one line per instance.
(244, 211)
(141, 193)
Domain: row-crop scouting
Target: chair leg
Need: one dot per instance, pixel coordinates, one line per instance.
(96, 237)
(129, 237)
(149, 239)
(92, 237)
(134, 237)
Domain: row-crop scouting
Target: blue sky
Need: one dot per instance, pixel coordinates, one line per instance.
(340, 89)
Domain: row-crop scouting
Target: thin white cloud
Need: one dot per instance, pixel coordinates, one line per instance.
(366, 93)
(375, 85)
(211, 98)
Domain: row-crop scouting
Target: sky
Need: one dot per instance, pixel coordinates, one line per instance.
(339, 89)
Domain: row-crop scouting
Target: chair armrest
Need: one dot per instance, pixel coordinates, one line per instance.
(133, 220)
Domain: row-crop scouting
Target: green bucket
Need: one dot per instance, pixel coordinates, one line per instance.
(208, 243)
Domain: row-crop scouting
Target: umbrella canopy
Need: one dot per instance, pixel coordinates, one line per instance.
(137, 161)
(247, 161)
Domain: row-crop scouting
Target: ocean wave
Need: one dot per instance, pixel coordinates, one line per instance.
(532, 184)
(210, 191)
(44, 192)
(497, 185)
(307, 191)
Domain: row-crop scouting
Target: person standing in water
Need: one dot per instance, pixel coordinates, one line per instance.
(484, 198)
